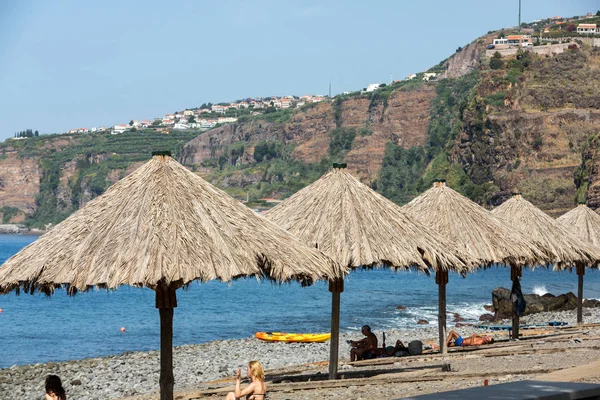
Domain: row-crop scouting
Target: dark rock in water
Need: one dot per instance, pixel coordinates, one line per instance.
(422, 322)
(457, 318)
(535, 303)
(591, 303)
(487, 317)
(488, 307)
(400, 308)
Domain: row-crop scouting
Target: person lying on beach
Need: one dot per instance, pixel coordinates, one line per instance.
(390, 351)
(54, 388)
(257, 390)
(454, 339)
(366, 348)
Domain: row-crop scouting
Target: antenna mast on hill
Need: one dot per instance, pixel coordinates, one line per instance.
(329, 87)
(519, 28)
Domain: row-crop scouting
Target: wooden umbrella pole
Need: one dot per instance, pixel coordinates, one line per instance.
(515, 273)
(335, 287)
(166, 301)
(441, 278)
(580, 273)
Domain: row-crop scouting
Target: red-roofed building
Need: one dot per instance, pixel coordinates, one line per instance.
(587, 29)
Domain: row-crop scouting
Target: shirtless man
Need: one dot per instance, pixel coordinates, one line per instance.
(366, 348)
(454, 339)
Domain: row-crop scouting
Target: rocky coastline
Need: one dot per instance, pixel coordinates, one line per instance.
(9, 229)
(14, 229)
(136, 373)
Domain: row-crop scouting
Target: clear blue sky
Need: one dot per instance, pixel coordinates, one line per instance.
(70, 63)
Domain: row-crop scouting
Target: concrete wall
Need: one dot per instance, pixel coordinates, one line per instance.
(548, 49)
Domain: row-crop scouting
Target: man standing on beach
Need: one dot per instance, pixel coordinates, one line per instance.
(364, 349)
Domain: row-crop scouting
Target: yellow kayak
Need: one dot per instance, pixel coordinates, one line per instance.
(293, 337)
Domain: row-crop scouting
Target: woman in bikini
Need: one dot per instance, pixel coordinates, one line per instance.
(257, 390)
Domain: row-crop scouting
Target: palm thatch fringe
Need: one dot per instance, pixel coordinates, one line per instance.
(584, 223)
(475, 229)
(358, 227)
(162, 225)
(564, 247)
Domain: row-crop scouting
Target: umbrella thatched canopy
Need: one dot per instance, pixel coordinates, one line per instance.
(358, 227)
(556, 240)
(584, 223)
(162, 227)
(476, 230)
(472, 227)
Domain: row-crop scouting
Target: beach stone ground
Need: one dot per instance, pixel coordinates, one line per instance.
(136, 373)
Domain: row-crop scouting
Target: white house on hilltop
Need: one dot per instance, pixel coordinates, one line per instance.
(372, 87)
(219, 109)
(181, 126)
(587, 29)
(117, 129)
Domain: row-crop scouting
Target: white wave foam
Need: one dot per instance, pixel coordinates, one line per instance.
(540, 290)
(402, 319)
(469, 311)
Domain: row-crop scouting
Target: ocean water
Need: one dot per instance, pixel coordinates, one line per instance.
(36, 328)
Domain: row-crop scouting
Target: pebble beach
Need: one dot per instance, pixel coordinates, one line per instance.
(196, 366)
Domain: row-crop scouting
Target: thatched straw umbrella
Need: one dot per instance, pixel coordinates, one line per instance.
(584, 223)
(562, 245)
(358, 227)
(162, 227)
(476, 230)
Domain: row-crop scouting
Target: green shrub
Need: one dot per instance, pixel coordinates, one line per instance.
(495, 99)
(496, 62)
(264, 150)
(365, 131)
(513, 75)
(276, 116)
(340, 141)
(8, 213)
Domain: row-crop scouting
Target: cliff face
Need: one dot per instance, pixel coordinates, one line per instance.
(402, 118)
(19, 181)
(528, 133)
(49, 177)
(535, 153)
(463, 62)
(307, 131)
(403, 122)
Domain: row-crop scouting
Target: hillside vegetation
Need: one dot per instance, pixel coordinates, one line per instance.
(75, 169)
(525, 122)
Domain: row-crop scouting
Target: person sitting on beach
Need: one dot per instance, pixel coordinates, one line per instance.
(366, 348)
(54, 388)
(454, 339)
(257, 390)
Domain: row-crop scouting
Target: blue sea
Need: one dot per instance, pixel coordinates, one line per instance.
(36, 328)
